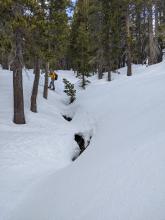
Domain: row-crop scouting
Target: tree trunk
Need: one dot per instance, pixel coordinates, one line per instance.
(35, 86)
(139, 35)
(109, 75)
(157, 43)
(19, 117)
(152, 47)
(128, 38)
(83, 81)
(45, 93)
(100, 72)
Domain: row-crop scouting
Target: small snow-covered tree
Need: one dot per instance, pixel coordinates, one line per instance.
(69, 90)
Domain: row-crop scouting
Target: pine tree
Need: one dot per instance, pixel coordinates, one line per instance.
(17, 27)
(106, 36)
(56, 36)
(36, 42)
(95, 34)
(80, 40)
(69, 90)
(111, 35)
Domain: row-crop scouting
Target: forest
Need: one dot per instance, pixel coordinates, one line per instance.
(82, 102)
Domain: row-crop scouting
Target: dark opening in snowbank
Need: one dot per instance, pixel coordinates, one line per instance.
(67, 118)
(82, 143)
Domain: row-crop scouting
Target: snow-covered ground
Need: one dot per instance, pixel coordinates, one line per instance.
(120, 176)
(44, 145)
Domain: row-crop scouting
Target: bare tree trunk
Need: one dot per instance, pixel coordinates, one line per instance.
(152, 46)
(156, 20)
(140, 57)
(33, 107)
(83, 81)
(159, 57)
(100, 72)
(109, 75)
(19, 117)
(45, 93)
(151, 37)
(129, 59)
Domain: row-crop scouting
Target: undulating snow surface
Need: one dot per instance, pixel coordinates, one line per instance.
(121, 175)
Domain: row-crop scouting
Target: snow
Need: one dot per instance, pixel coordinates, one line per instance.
(28, 151)
(121, 174)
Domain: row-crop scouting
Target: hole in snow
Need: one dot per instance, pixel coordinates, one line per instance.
(67, 118)
(82, 143)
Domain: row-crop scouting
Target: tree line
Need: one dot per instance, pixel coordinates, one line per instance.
(101, 37)
(107, 35)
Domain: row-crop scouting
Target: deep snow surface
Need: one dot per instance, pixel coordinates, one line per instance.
(28, 152)
(120, 176)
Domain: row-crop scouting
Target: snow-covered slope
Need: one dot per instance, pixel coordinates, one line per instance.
(28, 152)
(121, 174)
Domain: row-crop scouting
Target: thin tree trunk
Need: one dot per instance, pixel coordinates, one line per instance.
(100, 72)
(33, 107)
(45, 93)
(109, 76)
(139, 36)
(158, 46)
(152, 46)
(19, 117)
(156, 20)
(129, 60)
(151, 60)
(83, 81)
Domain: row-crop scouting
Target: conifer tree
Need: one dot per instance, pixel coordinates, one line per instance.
(69, 90)
(36, 42)
(80, 39)
(56, 36)
(95, 34)
(15, 23)
(106, 36)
